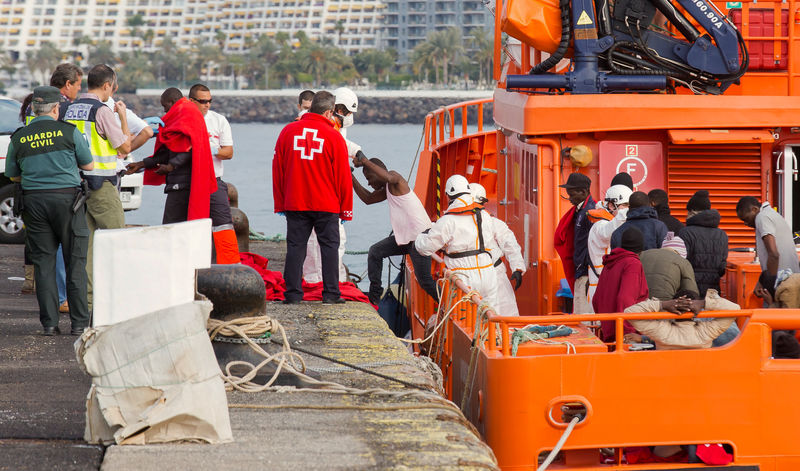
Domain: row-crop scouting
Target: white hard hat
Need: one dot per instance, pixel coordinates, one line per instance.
(618, 194)
(478, 192)
(345, 96)
(456, 186)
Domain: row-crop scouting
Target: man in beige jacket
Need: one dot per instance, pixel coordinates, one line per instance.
(671, 334)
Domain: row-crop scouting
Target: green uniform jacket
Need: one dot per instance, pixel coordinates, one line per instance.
(47, 153)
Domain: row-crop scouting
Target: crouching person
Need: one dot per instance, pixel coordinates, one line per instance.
(671, 334)
(408, 218)
(462, 232)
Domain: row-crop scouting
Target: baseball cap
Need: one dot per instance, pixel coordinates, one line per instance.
(46, 94)
(577, 180)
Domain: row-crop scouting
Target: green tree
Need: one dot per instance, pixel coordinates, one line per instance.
(446, 46)
(423, 60)
(135, 22)
(482, 51)
(148, 37)
(339, 28)
(44, 60)
(103, 53)
(135, 70)
(262, 55)
(373, 63)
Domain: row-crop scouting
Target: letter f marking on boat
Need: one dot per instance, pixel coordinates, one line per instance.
(305, 143)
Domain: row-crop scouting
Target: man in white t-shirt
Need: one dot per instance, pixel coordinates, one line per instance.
(137, 127)
(221, 140)
(408, 218)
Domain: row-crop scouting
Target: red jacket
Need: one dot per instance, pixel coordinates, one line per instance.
(621, 285)
(185, 129)
(310, 168)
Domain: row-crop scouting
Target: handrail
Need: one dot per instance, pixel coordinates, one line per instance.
(775, 318)
(435, 125)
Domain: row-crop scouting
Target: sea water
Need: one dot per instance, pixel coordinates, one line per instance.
(251, 171)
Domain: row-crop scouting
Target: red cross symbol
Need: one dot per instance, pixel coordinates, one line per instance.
(303, 143)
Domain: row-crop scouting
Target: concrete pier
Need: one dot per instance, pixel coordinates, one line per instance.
(42, 393)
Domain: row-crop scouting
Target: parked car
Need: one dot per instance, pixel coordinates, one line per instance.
(11, 228)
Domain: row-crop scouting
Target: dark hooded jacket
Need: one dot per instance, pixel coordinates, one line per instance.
(646, 220)
(706, 249)
(673, 224)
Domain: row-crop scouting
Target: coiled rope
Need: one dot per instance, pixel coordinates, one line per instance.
(290, 362)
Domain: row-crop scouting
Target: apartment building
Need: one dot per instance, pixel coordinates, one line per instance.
(408, 22)
(353, 25)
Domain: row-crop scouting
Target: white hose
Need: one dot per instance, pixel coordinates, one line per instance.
(560, 443)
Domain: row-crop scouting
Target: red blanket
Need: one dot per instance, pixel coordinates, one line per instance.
(184, 130)
(276, 286)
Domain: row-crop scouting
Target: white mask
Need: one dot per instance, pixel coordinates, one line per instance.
(301, 113)
(347, 121)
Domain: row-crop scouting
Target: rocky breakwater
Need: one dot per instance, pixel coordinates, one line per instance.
(283, 109)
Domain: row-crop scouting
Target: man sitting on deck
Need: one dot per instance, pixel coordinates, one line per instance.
(671, 335)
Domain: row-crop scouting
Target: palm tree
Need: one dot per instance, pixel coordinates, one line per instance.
(148, 37)
(134, 22)
(44, 60)
(136, 71)
(260, 57)
(482, 45)
(422, 60)
(445, 46)
(314, 61)
(103, 53)
(373, 63)
(339, 30)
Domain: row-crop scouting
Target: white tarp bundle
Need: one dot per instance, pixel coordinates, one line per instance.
(154, 379)
(170, 254)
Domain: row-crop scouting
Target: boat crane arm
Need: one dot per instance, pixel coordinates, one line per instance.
(621, 52)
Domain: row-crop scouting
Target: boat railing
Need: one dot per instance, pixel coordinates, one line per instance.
(466, 309)
(442, 127)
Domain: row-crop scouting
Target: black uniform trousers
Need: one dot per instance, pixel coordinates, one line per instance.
(176, 207)
(220, 209)
(298, 229)
(49, 221)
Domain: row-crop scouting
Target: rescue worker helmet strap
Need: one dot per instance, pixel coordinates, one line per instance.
(618, 194)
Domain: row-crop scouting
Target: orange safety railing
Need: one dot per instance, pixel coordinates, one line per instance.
(500, 326)
(440, 125)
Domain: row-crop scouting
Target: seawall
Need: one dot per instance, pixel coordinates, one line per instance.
(375, 108)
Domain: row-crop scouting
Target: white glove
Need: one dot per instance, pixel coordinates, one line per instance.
(214, 149)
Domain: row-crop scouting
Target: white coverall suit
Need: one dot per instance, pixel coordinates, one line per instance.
(599, 243)
(505, 243)
(458, 233)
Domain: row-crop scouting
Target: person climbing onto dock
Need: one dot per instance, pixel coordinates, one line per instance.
(407, 216)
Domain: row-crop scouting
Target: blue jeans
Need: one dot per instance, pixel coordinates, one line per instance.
(61, 276)
(730, 334)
